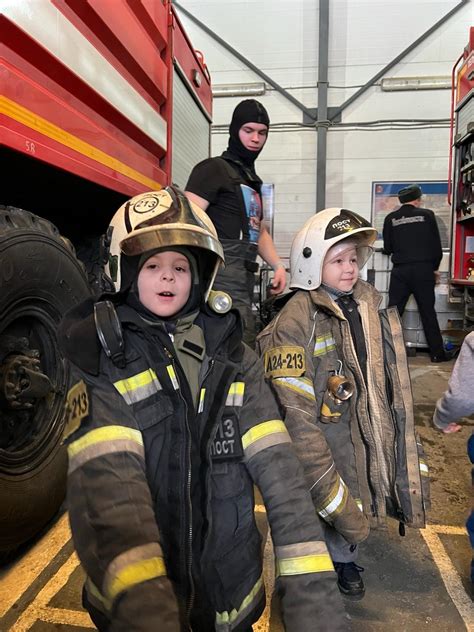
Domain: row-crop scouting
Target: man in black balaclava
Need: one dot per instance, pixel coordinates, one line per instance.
(229, 190)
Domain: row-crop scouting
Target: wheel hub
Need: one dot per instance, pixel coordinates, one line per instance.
(23, 385)
(22, 382)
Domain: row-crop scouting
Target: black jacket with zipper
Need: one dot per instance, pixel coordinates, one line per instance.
(160, 494)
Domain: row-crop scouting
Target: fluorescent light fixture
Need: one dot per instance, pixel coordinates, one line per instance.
(395, 84)
(238, 89)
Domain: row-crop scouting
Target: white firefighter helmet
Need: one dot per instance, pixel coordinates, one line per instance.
(160, 219)
(318, 235)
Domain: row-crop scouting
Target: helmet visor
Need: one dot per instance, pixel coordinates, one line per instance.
(167, 236)
(363, 251)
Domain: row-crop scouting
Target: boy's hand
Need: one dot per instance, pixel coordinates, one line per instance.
(278, 281)
(452, 427)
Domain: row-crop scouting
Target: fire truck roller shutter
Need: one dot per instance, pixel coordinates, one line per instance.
(40, 279)
(191, 130)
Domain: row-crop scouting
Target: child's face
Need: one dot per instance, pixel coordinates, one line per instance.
(340, 268)
(164, 283)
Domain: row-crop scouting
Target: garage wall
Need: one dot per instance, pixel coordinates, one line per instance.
(281, 38)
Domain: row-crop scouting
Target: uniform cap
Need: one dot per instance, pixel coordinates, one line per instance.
(410, 193)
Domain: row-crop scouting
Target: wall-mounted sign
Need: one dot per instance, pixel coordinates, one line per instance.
(435, 197)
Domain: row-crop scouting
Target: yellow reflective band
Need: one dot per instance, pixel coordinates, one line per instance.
(237, 388)
(305, 564)
(39, 124)
(225, 617)
(135, 381)
(136, 574)
(202, 396)
(323, 344)
(235, 396)
(302, 386)
(106, 433)
(138, 387)
(263, 430)
(336, 500)
(173, 378)
(424, 468)
(326, 411)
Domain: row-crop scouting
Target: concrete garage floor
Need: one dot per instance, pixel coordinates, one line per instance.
(420, 581)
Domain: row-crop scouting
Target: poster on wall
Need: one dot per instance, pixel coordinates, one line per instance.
(435, 197)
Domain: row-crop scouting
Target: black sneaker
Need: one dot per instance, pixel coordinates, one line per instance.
(349, 580)
(445, 357)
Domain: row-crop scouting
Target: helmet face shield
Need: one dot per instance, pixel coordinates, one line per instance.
(319, 234)
(160, 219)
(363, 251)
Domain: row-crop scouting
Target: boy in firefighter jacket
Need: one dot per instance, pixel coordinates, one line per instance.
(170, 424)
(338, 366)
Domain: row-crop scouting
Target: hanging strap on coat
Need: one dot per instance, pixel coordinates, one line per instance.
(109, 331)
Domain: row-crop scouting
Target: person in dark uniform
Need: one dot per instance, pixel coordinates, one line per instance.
(228, 189)
(411, 236)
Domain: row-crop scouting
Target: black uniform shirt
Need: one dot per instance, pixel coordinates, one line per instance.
(210, 179)
(411, 235)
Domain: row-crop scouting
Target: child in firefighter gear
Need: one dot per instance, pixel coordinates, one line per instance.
(170, 424)
(338, 366)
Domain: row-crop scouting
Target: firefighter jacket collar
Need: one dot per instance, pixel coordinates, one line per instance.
(77, 335)
(322, 299)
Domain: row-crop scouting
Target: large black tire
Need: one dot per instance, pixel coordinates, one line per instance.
(40, 279)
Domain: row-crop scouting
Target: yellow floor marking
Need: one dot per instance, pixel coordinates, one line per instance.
(447, 530)
(15, 580)
(448, 573)
(66, 617)
(39, 610)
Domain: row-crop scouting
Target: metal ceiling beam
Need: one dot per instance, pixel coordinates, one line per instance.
(397, 59)
(247, 62)
(322, 130)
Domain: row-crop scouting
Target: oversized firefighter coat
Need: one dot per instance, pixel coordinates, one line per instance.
(371, 447)
(161, 496)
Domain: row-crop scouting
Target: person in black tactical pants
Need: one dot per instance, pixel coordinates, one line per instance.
(411, 236)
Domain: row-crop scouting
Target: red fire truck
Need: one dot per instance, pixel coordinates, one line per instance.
(99, 100)
(461, 190)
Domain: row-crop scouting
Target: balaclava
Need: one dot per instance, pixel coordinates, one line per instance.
(248, 111)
